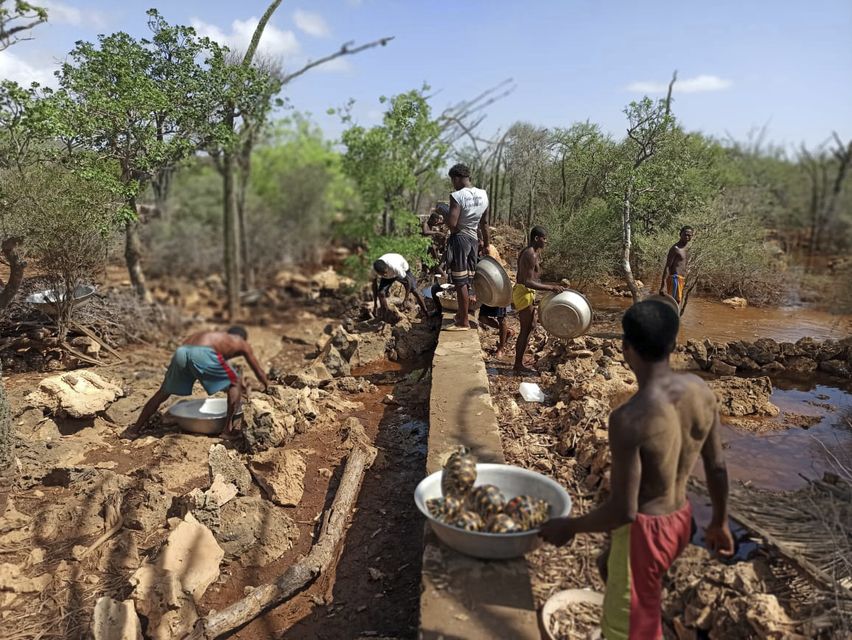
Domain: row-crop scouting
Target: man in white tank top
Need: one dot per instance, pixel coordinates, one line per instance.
(468, 214)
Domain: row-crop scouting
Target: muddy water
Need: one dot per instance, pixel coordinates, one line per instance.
(711, 319)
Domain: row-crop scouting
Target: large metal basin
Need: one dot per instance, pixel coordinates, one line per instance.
(565, 315)
(492, 284)
(206, 416)
(512, 481)
(46, 300)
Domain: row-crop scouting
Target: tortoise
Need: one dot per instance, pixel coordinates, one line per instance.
(528, 512)
(501, 523)
(469, 521)
(459, 473)
(444, 509)
(486, 500)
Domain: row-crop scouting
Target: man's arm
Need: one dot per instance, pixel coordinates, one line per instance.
(483, 229)
(623, 502)
(248, 354)
(453, 219)
(666, 269)
(717, 535)
(426, 230)
(375, 293)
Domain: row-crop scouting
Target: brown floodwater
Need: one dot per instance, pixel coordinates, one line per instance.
(711, 319)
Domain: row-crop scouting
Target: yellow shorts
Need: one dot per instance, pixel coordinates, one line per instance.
(522, 297)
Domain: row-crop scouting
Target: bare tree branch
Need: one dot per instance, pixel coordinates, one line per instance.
(345, 50)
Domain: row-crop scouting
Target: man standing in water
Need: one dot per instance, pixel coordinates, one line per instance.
(203, 357)
(655, 439)
(674, 272)
(468, 215)
(523, 293)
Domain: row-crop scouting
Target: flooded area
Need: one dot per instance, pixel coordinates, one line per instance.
(711, 319)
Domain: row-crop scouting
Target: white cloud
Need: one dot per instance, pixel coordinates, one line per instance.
(274, 42)
(15, 68)
(62, 13)
(689, 85)
(311, 23)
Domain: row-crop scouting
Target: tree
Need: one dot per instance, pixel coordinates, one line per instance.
(16, 19)
(144, 104)
(825, 190)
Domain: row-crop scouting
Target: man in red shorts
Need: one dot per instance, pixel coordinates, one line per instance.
(655, 439)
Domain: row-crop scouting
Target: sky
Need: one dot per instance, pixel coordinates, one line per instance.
(743, 65)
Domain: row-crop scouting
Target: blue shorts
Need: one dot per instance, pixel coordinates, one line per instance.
(191, 363)
(492, 312)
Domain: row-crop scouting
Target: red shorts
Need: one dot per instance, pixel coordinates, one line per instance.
(641, 553)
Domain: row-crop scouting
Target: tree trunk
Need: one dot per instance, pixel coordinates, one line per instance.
(627, 242)
(133, 256)
(563, 196)
(9, 249)
(7, 449)
(232, 230)
(161, 185)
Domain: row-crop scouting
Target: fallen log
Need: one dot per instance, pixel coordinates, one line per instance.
(306, 570)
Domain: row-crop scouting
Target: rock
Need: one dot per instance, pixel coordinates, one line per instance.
(772, 368)
(281, 475)
(348, 384)
(221, 492)
(336, 364)
(145, 508)
(800, 365)
(192, 555)
(830, 350)
(735, 302)
(255, 531)
(837, 368)
(120, 552)
(265, 425)
(36, 556)
(125, 410)
(160, 597)
(327, 280)
(722, 368)
(88, 345)
(227, 465)
(744, 396)
(81, 394)
(13, 580)
(763, 351)
(346, 343)
(317, 375)
(113, 620)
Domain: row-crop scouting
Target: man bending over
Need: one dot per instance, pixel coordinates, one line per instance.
(203, 357)
(655, 439)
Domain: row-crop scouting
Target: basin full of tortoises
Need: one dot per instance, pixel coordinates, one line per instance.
(486, 510)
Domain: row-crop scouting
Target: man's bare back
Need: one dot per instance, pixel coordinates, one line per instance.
(229, 345)
(669, 420)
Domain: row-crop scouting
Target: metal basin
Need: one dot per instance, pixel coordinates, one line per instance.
(46, 300)
(492, 284)
(566, 315)
(512, 481)
(206, 416)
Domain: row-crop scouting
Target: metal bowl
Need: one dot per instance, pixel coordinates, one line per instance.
(206, 416)
(565, 315)
(449, 301)
(562, 599)
(46, 300)
(512, 481)
(492, 284)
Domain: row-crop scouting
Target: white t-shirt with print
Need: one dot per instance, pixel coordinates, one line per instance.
(473, 202)
(397, 265)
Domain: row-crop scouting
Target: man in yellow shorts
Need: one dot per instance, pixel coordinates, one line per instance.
(523, 293)
(674, 271)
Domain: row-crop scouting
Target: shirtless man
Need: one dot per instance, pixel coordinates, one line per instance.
(203, 357)
(523, 293)
(655, 439)
(467, 218)
(674, 272)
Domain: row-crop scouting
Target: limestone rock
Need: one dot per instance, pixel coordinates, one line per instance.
(145, 509)
(281, 475)
(735, 302)
(722, 368)
(256, 531)
(161, 598)
(800, 365)
(336, 364)
(837, 368)
(346, 343)
(113, 620)
(744, 396)
(13, 580)
(327, 280)
(120, 552)
(192, 555)
(79, 394)
(123, 412)
(222, 492)
(227, 464)
(265, 424)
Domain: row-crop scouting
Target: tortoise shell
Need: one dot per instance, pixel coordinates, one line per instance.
(501, 523)
(486, 500)
(469, 521)
(459, 474)
(527, 511)
(444, 509)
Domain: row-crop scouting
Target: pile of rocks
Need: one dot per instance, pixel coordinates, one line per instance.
(765, 355)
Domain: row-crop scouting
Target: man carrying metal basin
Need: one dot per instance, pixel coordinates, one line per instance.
(468, 216)
(523, 293)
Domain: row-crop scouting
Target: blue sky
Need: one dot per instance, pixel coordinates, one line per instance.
(743, 64)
